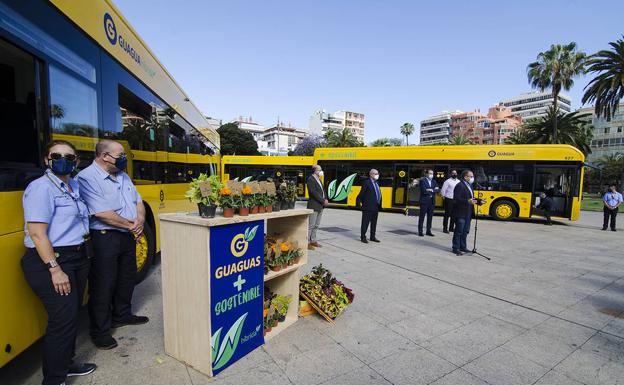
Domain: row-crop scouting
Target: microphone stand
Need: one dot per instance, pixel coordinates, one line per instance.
(474, 244)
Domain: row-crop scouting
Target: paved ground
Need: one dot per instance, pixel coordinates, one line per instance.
(548, 309)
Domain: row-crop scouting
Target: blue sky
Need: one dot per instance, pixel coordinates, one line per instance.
(394, 61)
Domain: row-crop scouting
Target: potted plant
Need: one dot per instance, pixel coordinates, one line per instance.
(276, 263)
(291, 194)
(277, 204)
(282, 193)
(227, 201)
(260, 203)
(268, 203)
(206, 204)
(285, 249)
(246, 201)
(268, 325)
(281, 303)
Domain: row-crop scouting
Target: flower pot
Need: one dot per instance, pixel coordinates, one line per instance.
(276, 268)
(275, 322)
(285, 265)
(291, 262)
(291, 204)
(243, 211)
(284, 205)
(282, 318)
(268, 209)
(228, 212)
(207, 211)
(261, 209)
(277, 206)
(254, 210)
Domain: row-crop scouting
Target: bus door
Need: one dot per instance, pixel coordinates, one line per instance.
(407, 183)
(560, 183)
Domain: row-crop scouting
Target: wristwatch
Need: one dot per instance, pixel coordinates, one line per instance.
(52, 264)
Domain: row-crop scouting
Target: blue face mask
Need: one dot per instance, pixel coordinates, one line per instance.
(120, 162)
(62, 166)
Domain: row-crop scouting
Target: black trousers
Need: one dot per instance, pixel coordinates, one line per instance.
(544, 213)
(426, 209)
(609, 214)
(448, 209)
(60, 336)
(369, 217)
(111, 279)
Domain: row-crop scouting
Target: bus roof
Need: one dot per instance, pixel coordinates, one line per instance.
(548, 152)
(105, 24)
(268, 160)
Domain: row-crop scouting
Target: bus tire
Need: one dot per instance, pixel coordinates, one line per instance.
(504, 210)
(145, 252)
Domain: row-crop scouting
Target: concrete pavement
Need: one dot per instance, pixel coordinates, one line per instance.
(547, 309)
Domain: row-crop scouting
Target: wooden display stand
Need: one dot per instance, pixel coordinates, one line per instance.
(186, 275)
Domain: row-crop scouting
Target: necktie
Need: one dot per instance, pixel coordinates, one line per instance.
(376, 190)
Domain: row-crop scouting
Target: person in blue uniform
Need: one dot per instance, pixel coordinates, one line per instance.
(118, 215)
(612, 201)
(56, 265)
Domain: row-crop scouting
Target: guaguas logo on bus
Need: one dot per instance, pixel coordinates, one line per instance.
(110, 29)
(492, 153)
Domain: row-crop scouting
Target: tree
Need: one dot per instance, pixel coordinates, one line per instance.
(573, 129)
(235, 141)
(307, 145)
(386, 142)
(460, 140)
(57, 112)
(407, 129)
(520, 136)
(612, 167)
(607, 88)
(342, 138)
(555, 69)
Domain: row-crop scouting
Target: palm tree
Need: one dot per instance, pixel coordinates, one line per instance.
(386, 142)
(460, 140)
(555, 69)
(607, 88)
(573, 129)
(612, 167)
(57, 112)
(342, 138)
(407, 129)
(520, 136)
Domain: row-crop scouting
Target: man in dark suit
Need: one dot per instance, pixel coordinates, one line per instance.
(544, 208)
(317, 202)
(428, 189)
(463, 208)
(369, 200)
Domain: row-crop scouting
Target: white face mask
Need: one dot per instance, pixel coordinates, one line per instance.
(430, 176)
(320, 173)
(375, 177)
(471, 180)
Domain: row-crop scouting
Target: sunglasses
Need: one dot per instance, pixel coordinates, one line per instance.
(69, 157)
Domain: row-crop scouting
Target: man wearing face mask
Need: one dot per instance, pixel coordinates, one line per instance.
(463, 208)
(428, 189)
(447, 194)
(316, 202)
(612, 201)
(118, 215)
(369, 200)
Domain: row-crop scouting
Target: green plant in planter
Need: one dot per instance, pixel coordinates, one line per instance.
(194, 193)
(281, 303)
(227, 199)
(291, 191)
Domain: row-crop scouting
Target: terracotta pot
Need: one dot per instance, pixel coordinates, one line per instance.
(268, 330)
(284, 265)
(254, 210)
(268, 209)
(228, 212)
(291, 262)
(243, 211)
(275, 322)
(276, 268)
(261, 209)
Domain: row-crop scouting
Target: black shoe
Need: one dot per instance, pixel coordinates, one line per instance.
(613, 230)
(548, 223)
(445, 231)
(457, 252)
(375, 239)
(106, 342)
(465, 250)
(604, 228)
(133, 320)
(81, 369)
(421, 234)
(430, 234)
(451, 229)
(363, 240)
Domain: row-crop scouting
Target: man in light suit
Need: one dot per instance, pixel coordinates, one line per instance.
(316, 202)
(369, 200)
(428, 189)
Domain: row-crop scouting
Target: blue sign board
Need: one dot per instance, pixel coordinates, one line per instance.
(236, 291)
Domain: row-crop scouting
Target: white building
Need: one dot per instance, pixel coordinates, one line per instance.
(321, 122)
(281, 138)
(437, 128)
(535, 104)
(608, 134)
(255, 129)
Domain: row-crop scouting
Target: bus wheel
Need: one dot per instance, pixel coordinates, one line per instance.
(503, 210)
(145, 251)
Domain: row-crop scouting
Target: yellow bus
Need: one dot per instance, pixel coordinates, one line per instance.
(249, 168)
(76, 70)
(509, 177)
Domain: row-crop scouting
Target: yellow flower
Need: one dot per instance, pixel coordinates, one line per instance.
(284, 247)
(246, 190)
(225, 191)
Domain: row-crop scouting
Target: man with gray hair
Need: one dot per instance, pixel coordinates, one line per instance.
(317, 202)
(369, 200)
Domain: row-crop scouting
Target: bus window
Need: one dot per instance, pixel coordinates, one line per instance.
(558, 182)
(506, 176)
(135, 124)
(18, 116)
(73, 105)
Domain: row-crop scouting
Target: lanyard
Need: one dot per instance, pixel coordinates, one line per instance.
(73, 198)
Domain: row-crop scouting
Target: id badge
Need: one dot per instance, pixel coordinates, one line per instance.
(88, 245)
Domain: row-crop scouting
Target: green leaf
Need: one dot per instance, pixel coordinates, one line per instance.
(252, 234)
(214, 342)
(331, 189)
(344, 188)
(228, 347)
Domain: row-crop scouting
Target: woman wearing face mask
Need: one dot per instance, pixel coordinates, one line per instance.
(55, 264)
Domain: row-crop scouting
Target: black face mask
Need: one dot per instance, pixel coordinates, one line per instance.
(453, 176)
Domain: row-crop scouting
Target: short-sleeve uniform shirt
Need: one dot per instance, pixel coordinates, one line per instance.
(103, 193)
(48, 200)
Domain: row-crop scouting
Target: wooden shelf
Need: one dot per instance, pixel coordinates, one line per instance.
(274, 274)
(280, 327)
(219, 220)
